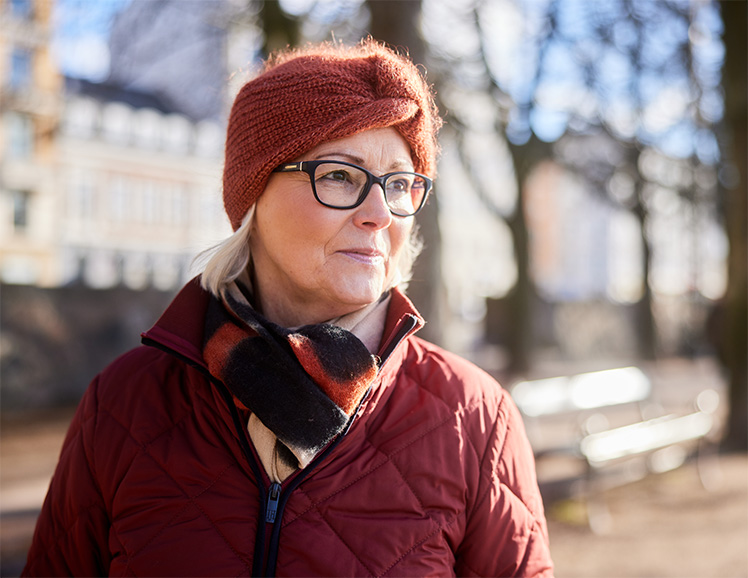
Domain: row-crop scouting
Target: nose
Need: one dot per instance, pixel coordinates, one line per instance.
(374, 212)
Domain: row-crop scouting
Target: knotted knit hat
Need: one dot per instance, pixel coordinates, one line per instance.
(323, 92)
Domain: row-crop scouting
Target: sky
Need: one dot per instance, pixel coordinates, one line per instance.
(81, 30)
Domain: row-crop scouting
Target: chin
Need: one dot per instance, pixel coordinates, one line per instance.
(361, 293)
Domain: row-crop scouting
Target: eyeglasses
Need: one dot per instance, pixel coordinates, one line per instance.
(341, 185)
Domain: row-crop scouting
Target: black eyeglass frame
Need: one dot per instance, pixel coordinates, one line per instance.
(309, 167)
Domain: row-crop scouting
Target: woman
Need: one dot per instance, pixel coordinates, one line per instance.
(281, 417)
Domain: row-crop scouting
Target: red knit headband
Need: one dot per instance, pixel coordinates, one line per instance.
(318, 94)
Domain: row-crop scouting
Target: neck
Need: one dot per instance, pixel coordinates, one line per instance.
(290, 315)
(287, 312)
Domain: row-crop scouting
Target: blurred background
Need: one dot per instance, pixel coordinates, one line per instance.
(589, 214)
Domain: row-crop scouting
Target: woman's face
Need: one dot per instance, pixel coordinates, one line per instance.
(313, 263)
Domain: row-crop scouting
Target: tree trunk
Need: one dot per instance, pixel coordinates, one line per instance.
(280, 29)
(734, 338)
(521, 299)
(646, 334)
(521, 296)
(396, 22)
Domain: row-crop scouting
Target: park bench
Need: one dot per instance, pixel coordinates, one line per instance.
(610, 423)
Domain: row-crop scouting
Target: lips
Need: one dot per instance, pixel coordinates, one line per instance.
(364, 255)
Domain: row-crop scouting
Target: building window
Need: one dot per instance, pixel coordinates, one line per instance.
(209, 140)
(20, 135)
(81, 118)
(178, 134)
(20, 69)
(151, 198)
(118, 199)
(178, 209)
(82, 189)
(116, 123)
(147, 128)
(20, 210)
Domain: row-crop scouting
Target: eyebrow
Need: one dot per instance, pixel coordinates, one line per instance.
(398, 164)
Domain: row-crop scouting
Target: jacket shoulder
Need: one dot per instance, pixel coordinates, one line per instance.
(147, 390)
(450, 385)
(456, 381)
(489, 420)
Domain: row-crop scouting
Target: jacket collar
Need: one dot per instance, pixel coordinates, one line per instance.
(182, 325)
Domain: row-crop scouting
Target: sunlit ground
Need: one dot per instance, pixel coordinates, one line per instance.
(664, 525)
(667, 525)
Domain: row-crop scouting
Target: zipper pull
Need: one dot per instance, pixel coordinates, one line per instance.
(272, 506)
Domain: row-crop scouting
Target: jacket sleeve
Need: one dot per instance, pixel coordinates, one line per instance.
(506, 532)
(71, 536)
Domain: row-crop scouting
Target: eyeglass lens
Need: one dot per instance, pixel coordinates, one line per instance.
(341, 186)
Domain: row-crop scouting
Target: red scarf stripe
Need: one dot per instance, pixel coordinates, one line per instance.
(218, 348)
(345, 393)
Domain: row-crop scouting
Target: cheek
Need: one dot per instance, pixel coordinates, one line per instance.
(399, 235)
(296, 232)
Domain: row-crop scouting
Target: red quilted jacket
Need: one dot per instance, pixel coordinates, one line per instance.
(158, 477)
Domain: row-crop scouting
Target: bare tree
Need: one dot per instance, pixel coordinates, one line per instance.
(280, 29)
(621, 65)
(396, 22)
(623, 32)
(733, 338)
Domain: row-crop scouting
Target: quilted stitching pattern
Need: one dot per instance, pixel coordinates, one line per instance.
(410, 499)
(414, 490)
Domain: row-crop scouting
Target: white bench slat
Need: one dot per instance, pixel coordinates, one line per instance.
(590, 390)
(643, 437)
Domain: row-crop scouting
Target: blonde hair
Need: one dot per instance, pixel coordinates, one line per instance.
(225, 262)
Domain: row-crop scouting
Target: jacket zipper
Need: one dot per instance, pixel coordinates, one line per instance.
(409, 323)
(272, 503)
(274, 498)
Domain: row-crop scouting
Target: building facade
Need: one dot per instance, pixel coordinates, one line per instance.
(140, 187)
(30, 108)
(100, 185)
